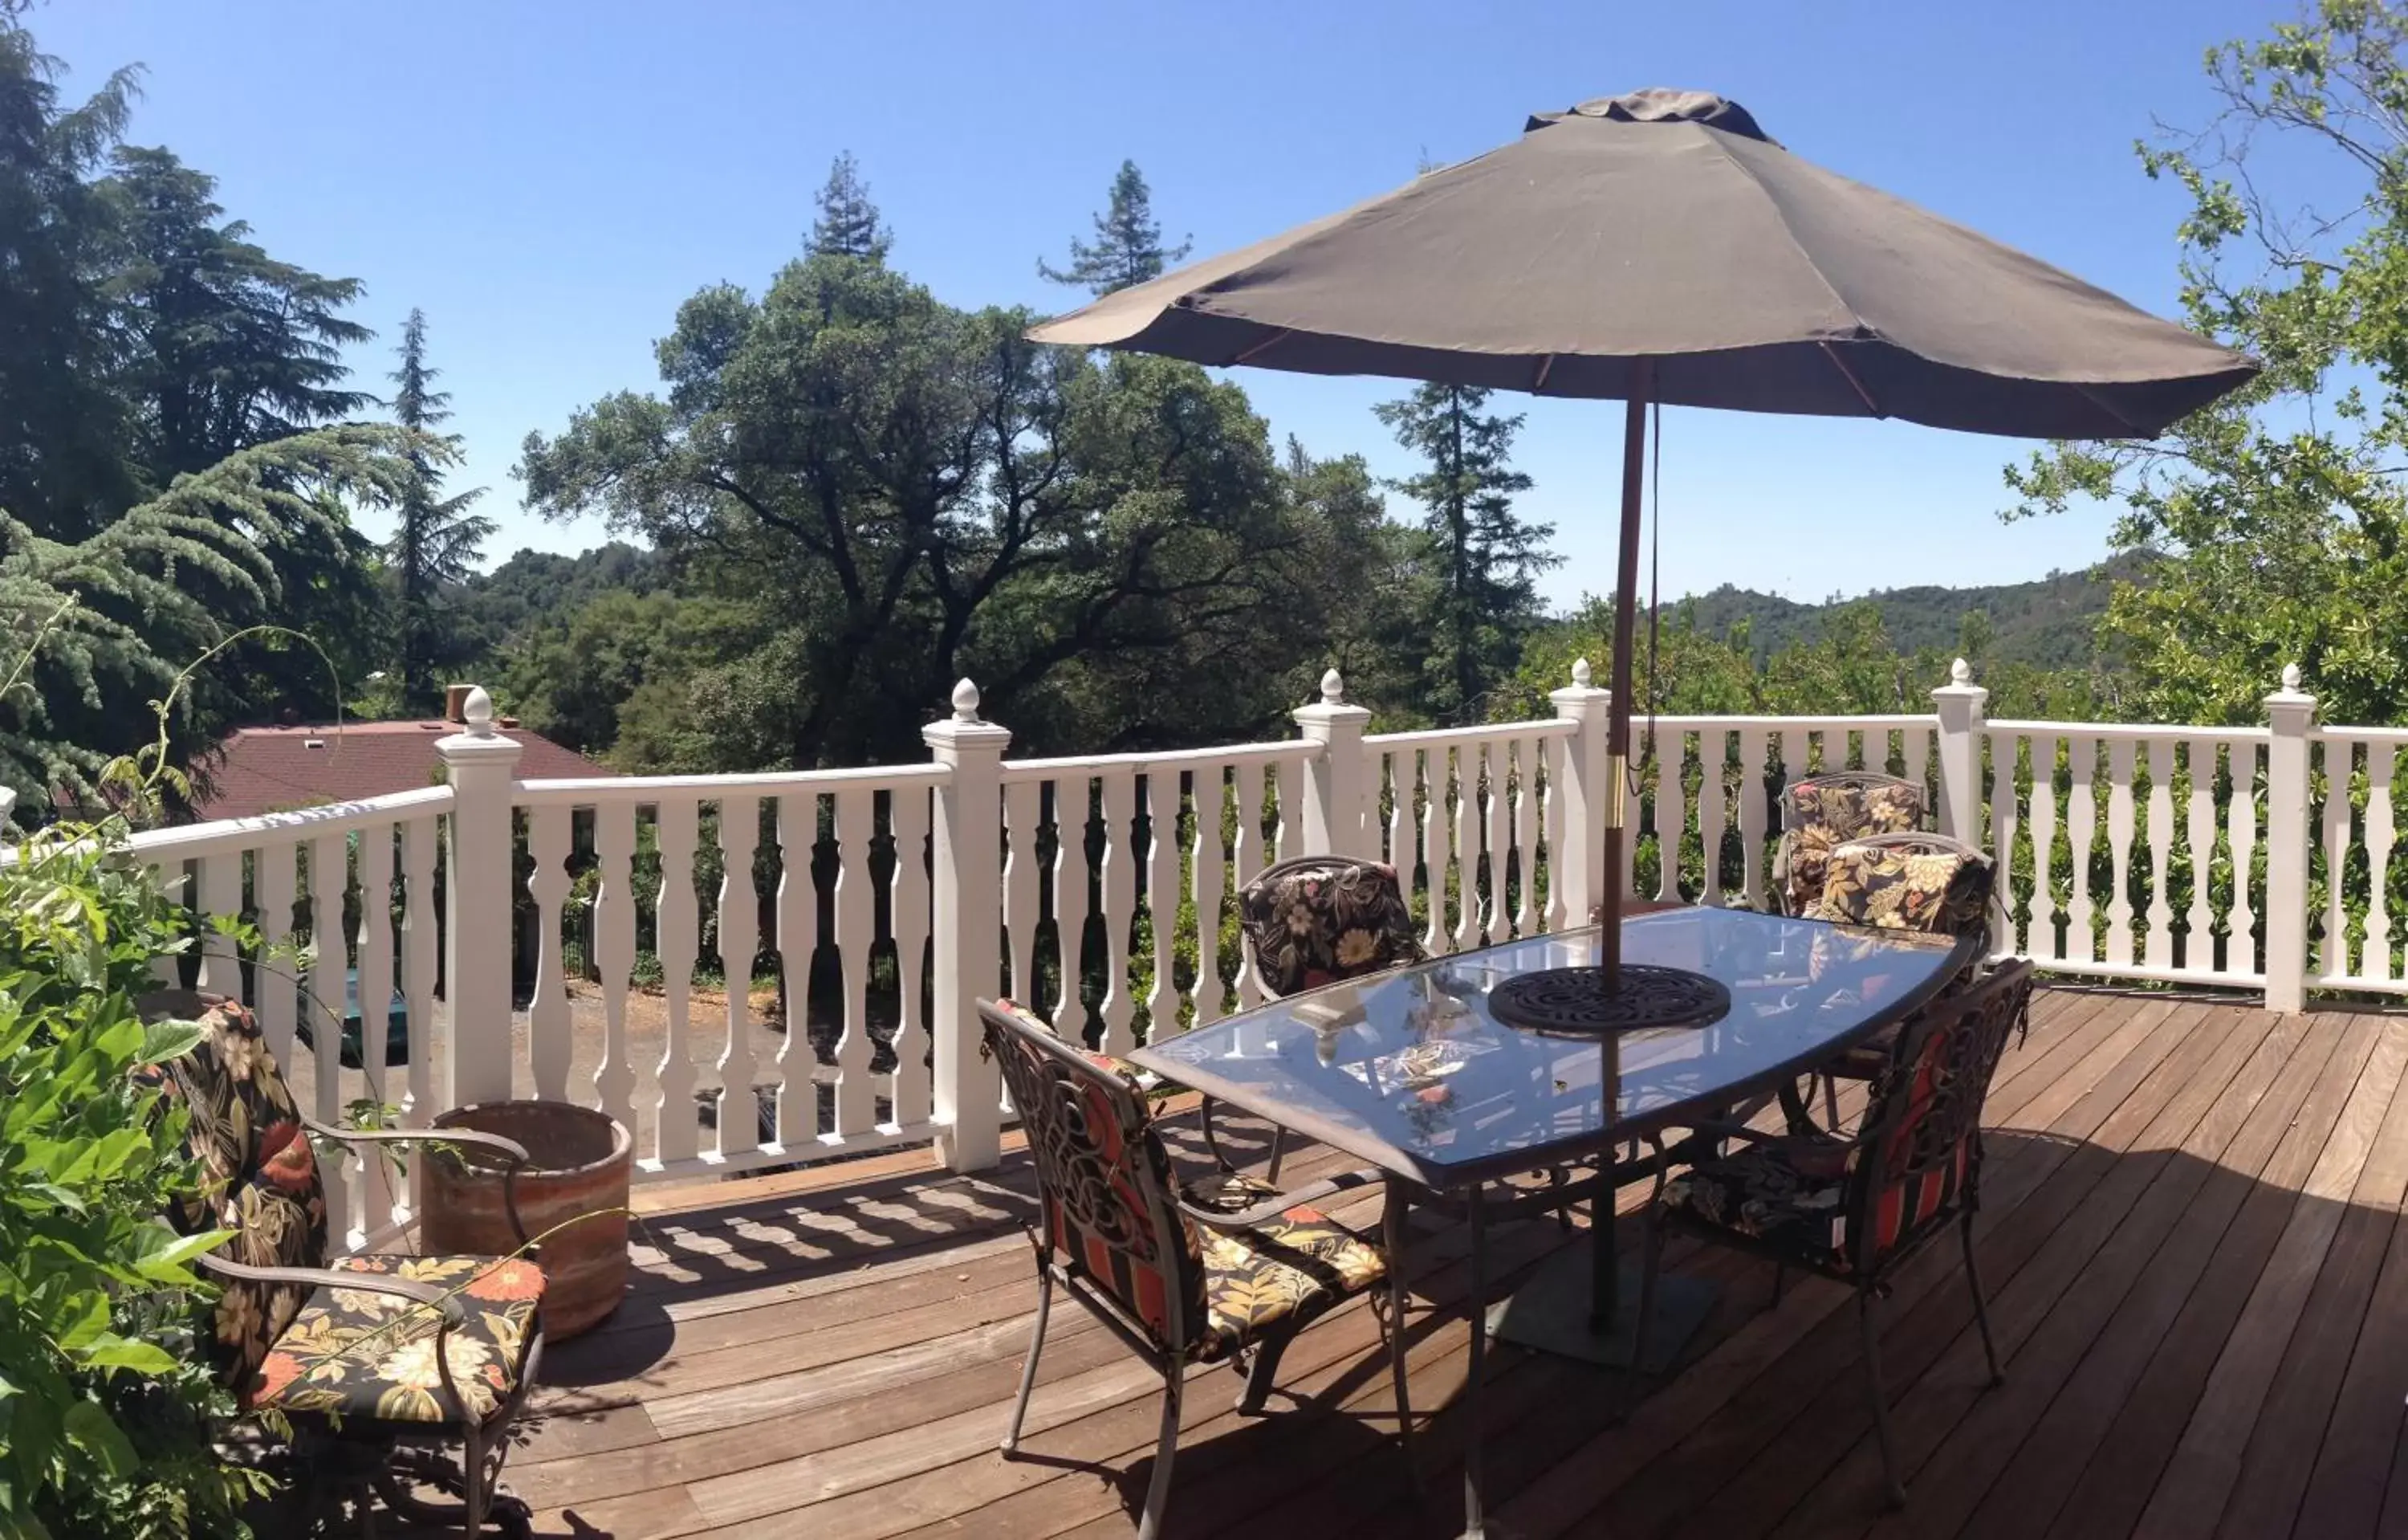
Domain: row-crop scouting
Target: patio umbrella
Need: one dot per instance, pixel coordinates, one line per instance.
(1658, 247)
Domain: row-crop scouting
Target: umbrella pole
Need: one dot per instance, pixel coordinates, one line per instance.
(1640, 390)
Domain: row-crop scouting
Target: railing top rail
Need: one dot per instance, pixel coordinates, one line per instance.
(1865, 722)
(594, 790)
(2133, 731)
(1299, 750)
(271, 829)
(1486, 732)
(2362, 735)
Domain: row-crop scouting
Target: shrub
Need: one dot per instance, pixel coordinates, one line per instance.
(107, 1401)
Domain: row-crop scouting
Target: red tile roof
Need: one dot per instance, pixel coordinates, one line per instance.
(271, 770)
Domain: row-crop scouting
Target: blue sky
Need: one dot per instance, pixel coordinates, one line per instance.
(549, 179)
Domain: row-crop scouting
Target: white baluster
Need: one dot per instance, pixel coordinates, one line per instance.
(1552, 816)
(739, 935)
(2160, 949)
(677, 922)
(1399, 771)
(377, 1196)
(1672, 813)
(1118, 872)
(2241, 832)
(420, 959)
(2039, 911)
(2003, 820)
(1467, 848)
(798, 938)
(856, 920)
(911, 907)
(1434, 846)
(2198, 947)
(1794, 763)
(615, 956)
(1287, 829)
(2341, 756)
(2120, 849)
(273, 880)
(1527, 752)
(1208, 876)
(1245, 860)
(1161, 801)
(2081, 832)
(1071, 876)
(1751, 816)
(222, 896)
(1021, 886)
(1713, 810)
(330, 873)
(2374, 961)
(1914, 744)
(1495, 772)
(548, 1024)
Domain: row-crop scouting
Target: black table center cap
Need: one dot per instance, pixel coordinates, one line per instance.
(1576, 1001)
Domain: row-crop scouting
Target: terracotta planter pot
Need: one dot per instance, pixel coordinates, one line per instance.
(580, 1161)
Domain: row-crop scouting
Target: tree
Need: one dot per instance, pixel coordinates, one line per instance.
(2276, 519)
(1482, 559)
(1127, 249)
(437, 541)
(915, 493)
(848, 223)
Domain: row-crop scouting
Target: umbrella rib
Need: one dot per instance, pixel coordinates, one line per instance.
(1264, 346)
(2108, 408)
(1850, 376)
(1545, 364)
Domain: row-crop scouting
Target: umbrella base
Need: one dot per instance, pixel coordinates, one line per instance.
(1551, 1312)
(1578, 1002)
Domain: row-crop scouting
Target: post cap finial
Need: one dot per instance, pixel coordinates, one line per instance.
(2291, 676)
(965, 701)
(1581, 673)
(1960, 672)
(1333, 688)
(476, 712)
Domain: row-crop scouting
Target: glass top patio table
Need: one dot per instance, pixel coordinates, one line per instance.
(1409, 1070)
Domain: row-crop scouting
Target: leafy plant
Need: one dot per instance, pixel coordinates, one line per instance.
(108, 1401)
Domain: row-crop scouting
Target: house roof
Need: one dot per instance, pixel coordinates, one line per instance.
(272, 770)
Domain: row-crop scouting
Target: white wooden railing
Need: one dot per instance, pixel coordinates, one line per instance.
(1102, 891)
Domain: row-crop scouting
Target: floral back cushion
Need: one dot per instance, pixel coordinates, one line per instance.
(1318, 919)
(259, 1171)
(1909, 882)
(1819, 816)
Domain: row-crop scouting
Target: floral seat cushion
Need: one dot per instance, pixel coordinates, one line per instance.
(1280, 1273)
(1787, 1193)
(1318, 919)
(1822, 814)
(355, 1353)
(1908, 885)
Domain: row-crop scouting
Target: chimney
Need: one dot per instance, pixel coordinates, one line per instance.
(455, 703)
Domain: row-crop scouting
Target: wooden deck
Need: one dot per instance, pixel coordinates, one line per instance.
(2191, 1237)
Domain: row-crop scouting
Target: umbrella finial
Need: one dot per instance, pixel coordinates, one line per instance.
(1960, 672)
(1333, 689)
(1581, 673)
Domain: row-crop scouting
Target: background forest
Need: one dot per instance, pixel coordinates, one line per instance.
(840, 494)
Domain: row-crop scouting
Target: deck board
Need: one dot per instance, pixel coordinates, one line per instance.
(2191, 1238)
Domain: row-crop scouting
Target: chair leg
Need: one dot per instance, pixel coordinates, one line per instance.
(473, 1467)
(1158, 1492)
(1780, 1276)
(1392, 1240)
(1652, 1262)
(1279, 1152)
(1893, 1490)
(1981, 1306)
(1831, 1102)
(1028, 1370)
(1264, 1372)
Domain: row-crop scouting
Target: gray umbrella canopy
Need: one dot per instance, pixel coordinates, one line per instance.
(1665, 225)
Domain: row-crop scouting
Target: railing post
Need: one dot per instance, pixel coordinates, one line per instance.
(2290, 712)
(1337, 781)
(1959, 705)
(1580, 866)
(478, 888)
(968, 930)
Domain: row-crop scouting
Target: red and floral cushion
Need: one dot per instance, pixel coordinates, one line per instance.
(357, 1353)
(1790, 1194)
(1819, 816)
(1318, 919)
(259, 1171)
(1912, 883)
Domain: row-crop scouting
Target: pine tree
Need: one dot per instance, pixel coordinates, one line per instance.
(848, 223)
(1127, 249)
(437, 542)
(1483, 558)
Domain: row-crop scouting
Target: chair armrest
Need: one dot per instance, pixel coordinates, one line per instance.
(327, 1277)
(511, 1150)
(1271, 1208)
